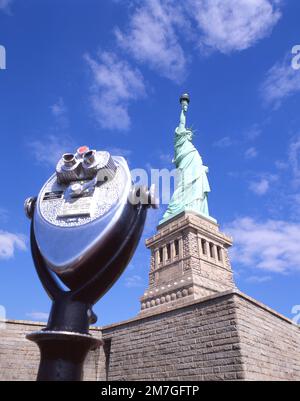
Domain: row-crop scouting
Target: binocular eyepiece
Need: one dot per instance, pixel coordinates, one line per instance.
(89, 157)
(86, 212)
(69, 159)
(85, 164)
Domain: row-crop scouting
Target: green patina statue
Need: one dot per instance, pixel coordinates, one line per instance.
(192, 185)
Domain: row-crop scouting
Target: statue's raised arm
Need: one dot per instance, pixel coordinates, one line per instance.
(184, 101)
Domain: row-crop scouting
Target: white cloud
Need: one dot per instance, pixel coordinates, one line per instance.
(224, 142)
(281, 165)
(40, 316)
(59, 112)
(134, 281)
(5, 4)
(258, 279)
(114, 84)
(272, 245)
(49, 149)
(151, 37)
(9, 243)
(58, 108)
(254, 132)
(233, 25)
(281, 82)
(291, 203)
(3, 214)
(263, 184)
(251, 153)
(156, 29)
(115, 151)
(166, 158)
(294, 158)
(156, 34)
(260, 187)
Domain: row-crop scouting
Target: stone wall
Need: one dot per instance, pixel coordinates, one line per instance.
(196, 342)
(270, 343)
(19, 357)
(227, 336)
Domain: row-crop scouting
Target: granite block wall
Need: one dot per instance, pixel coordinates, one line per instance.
(19, 357)
(270, 343)
(227, 336)
(197, 342)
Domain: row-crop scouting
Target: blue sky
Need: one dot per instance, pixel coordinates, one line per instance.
(108, 74)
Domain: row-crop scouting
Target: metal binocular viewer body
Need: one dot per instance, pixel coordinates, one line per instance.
(86, 223)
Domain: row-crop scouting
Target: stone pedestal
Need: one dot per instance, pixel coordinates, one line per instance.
(189, 260)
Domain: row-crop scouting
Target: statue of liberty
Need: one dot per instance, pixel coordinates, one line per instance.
(191, 187)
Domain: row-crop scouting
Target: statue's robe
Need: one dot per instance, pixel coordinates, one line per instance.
(192, 185)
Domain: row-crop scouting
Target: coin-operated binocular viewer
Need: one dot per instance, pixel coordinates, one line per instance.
(85, 225)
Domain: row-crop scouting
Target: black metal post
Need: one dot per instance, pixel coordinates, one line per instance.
(65, 342)
(62, 354)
